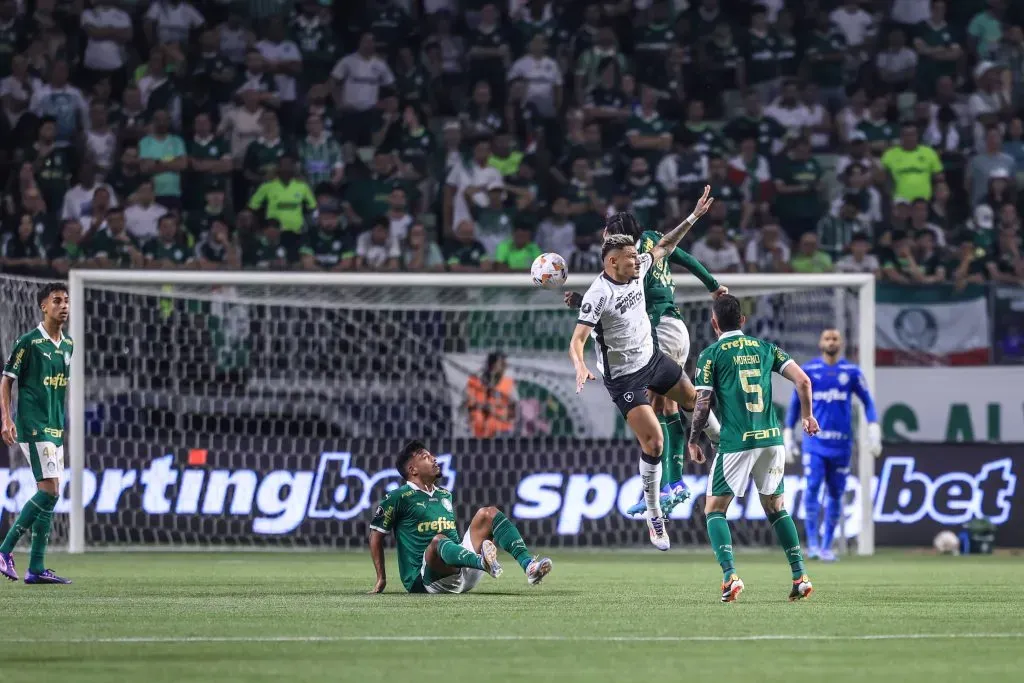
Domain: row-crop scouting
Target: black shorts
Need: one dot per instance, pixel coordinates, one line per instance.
(659, 375)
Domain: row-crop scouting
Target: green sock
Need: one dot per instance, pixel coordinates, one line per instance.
(666, 451)
(508, 538)
(675, 445)
(41, 535)
(789, 539)
(454, 555)
(24, 521)
(721, 542)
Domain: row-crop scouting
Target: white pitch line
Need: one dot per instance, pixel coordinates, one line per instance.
(173, 640)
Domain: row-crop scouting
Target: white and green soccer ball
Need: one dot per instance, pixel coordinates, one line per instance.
(549, 271)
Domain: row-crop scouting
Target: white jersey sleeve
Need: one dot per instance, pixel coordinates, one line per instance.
(645, 262)
(593, 304)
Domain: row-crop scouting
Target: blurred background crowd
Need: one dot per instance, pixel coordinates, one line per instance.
(880, 136)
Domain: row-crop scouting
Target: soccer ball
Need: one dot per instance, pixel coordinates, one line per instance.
(947, 543)
(549, 271)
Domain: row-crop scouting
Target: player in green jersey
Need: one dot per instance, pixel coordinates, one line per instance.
(673, 339)
(737, 369)
(432, 557)
(40, 363)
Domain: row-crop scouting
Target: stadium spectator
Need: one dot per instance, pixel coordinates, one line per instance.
(491, 399)
(969, 264)
(286, 199)
(167, 250)
(897, 63)
(808, 257)
(465, 253)
(991, 163)
(517, 252)
(557, 233)
(912, 167)
(22, 251)
(798, 177)
(716, 252)
(859, 260)
(767, 252)
(585, 256)
(931, 268)
(377, 248)
(78, 199)
(217, 250)
(162, 154)
(937, 48)
(420, 253)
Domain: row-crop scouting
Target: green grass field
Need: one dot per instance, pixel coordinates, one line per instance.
(608, 616)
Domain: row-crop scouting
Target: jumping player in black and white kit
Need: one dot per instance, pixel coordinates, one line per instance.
(614, 312)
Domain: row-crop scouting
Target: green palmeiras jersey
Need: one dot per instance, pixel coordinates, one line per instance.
(660, 287)
(739, 368)
(416, 516)
(42, 369)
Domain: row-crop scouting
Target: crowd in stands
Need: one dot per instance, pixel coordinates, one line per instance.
(882, 136)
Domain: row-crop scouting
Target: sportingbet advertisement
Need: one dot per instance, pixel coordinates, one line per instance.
(561, 492)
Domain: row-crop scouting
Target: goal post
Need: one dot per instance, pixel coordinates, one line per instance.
(158, 325)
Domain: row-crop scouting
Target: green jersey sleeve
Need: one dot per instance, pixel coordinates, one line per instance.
(705, 377)
(386, 515)
(780, 359)
(684, 259)
(18, 360)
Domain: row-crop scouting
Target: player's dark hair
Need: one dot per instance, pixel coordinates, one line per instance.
(49, 289)
(623, 223)
(406, 454)
(728, 312)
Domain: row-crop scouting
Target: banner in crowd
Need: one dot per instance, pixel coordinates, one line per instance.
(561, 492)
(1008, 325)
(932, 325)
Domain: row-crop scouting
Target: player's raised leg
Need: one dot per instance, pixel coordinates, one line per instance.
(815, 477)
(490, 524)
(644, 423)
(837, 470)
(685, 395)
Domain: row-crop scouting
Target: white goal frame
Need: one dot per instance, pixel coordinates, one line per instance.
(79, 279)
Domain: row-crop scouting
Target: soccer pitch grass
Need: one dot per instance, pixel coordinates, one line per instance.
(600, 616)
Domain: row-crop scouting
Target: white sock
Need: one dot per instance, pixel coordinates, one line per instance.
(650, 475)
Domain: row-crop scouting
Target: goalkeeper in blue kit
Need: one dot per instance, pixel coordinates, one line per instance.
(826, 456)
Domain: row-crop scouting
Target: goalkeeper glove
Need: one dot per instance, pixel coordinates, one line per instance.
(790, 444)
(874, 439)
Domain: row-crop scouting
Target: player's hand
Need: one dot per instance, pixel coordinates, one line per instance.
(573, 299)
(378, 587)
(696, 453)
(720, 292)
(704, 203)
(10, 432)
(811, 426)
(582, 375)
(874, 439)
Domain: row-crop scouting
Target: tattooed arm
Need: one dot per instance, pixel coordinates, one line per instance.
(668, 242)
(701, 412)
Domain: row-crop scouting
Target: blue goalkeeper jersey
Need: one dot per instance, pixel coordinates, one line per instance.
(833, 387)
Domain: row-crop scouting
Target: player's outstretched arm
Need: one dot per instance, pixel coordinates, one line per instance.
(576, 345)
(377, 553)
(795, 374)
(671, 239)
(860, 387)
(686, 260)
(701, 414)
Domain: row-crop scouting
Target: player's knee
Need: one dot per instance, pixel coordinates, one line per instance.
(653, 444)
(716, 504)
(487, 514)
(773, 504)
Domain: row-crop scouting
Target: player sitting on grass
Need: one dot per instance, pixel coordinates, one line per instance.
(40, 363)
(431, 556)
(673, 339)
(738, 370)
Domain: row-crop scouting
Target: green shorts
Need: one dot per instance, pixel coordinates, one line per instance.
(46, 459)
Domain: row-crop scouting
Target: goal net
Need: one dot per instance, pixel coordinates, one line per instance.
(262, 410)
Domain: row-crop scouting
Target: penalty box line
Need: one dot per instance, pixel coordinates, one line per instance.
(174, 640)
